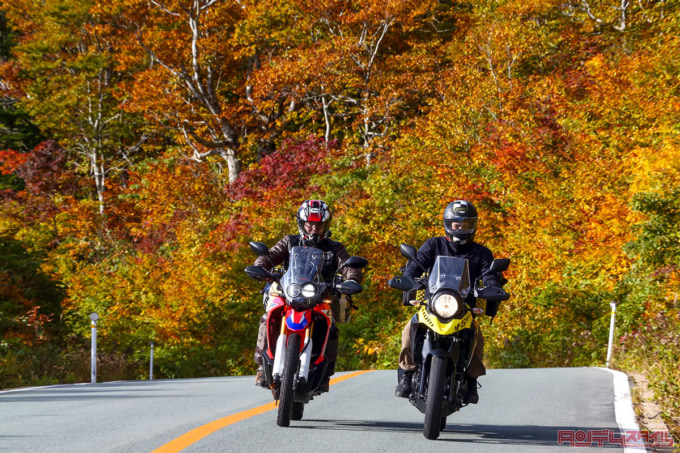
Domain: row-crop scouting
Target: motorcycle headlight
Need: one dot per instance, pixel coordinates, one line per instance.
(293, 291)
(308, 290)
(446, 305)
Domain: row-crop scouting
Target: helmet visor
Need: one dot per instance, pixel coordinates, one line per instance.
(461, 225)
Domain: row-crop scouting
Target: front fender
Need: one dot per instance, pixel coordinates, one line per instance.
(298, 321)
(444, 328)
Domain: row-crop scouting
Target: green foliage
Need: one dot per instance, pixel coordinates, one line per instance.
(30, 309)
(18, 132)
(649, 320)
(25, 286)
(658, 238)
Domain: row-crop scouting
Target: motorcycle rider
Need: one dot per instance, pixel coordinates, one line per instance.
(313, 221)
(460, 225)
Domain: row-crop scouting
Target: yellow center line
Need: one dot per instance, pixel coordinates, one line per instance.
(199, 433)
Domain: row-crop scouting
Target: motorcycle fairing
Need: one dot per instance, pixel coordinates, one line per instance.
(275, 302)
(298, 321)
(274, 319)
(324, 311)
(448, 274)
(444, 328)
(282, 321)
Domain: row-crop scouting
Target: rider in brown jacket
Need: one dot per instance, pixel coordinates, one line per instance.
(313, 220)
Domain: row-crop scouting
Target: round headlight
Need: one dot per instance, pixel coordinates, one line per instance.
(293, 291)
(445, 305)
(308, 290)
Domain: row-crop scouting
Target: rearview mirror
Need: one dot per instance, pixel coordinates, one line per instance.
(259, 248)
(498, 265)
(355, 262)
(408, 251)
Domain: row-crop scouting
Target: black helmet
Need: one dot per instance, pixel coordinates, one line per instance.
(460, 221)
(313, 211)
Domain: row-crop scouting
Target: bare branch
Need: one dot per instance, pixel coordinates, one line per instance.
(587, 10)
(624, 15)
(163, 8)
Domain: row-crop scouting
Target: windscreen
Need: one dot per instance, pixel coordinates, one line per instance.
(304, 265)
(450, 273)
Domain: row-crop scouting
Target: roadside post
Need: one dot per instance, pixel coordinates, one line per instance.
(93, 355)
(151, 363)
(611, 332)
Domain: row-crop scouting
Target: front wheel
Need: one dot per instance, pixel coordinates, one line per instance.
(290, 366)
(435, 398)
(298, 411)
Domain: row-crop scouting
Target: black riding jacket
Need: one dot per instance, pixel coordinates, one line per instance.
(479, 260)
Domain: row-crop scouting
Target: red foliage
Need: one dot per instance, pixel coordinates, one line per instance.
(285, 172)
(11, 160)
(44, 169)
(278, 179)
(157, 234)
(45, 174)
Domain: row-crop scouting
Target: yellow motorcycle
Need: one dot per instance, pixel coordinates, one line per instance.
(444, 333)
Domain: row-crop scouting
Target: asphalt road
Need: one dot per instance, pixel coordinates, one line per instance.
(519, 410)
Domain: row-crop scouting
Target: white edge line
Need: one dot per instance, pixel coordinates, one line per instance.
(75, 384)
(26, 389)
(623, 407)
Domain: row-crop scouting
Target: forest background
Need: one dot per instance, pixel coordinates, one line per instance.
(143, 143)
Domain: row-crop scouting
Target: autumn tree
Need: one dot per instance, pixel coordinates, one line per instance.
(17, 131)
(349, 69)
(194, 79)
(69, 81)
(615, 15)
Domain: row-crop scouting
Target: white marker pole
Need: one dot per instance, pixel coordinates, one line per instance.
(151, 364)
(93, 354)
(611, 333)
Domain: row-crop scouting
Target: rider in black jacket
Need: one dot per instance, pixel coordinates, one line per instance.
(460, 225)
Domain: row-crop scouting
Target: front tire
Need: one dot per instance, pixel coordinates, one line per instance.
(298, 411)
(435, 398)
(290, 366)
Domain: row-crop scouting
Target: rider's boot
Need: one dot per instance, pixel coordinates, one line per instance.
(260, 380)
(403, 389)
(471, 396)
(325, 385)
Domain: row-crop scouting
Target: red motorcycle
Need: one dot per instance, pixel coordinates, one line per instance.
(299, 319)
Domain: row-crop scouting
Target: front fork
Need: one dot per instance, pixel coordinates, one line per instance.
(456, 354)
(428, 351)
(305, 354)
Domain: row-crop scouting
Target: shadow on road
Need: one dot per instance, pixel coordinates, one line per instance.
(528, 435)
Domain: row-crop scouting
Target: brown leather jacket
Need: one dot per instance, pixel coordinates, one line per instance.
(334, 256)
